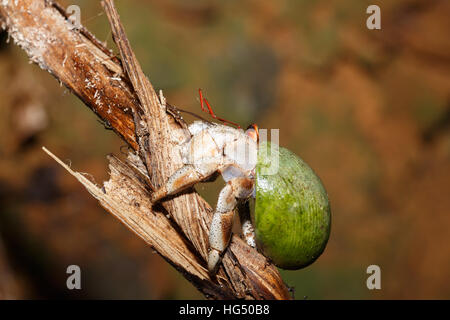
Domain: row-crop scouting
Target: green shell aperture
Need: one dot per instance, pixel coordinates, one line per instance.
(292, 212)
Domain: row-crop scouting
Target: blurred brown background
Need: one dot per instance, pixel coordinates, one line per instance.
(368, 110)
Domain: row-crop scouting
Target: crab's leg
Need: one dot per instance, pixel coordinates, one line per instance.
(222, 221)
(182, 179)
(246, 223)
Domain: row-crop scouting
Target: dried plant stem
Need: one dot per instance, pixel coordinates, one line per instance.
(119, 93)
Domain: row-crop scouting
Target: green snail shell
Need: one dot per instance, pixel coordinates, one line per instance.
(292, 212)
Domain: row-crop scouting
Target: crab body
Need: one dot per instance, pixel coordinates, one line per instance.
(215, 147)
(292, 215)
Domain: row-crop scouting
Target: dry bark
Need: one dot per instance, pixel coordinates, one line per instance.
(119, 93)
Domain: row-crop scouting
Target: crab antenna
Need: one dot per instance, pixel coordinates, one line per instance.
(201, 99)
(210, 111)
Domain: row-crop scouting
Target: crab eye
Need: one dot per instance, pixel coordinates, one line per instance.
(252, 132)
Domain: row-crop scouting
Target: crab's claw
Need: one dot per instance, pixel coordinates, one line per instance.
(213, 260)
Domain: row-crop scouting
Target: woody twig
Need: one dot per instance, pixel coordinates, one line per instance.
(120, 94)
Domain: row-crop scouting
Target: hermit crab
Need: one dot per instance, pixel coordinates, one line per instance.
(292, 217)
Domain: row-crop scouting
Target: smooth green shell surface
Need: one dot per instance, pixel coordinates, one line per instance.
(292, 212)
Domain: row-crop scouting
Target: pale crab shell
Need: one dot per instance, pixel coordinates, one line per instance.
(218, 147)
